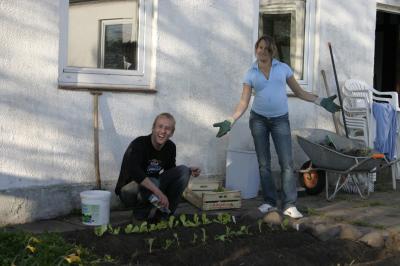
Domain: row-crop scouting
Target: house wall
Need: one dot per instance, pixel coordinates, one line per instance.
(203, 49)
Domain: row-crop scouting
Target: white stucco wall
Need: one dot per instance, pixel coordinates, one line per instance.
(203, 49)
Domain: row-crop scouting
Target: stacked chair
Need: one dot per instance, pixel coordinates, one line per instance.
(357, 101)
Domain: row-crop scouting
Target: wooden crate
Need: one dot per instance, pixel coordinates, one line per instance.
(202, 194)
(204, 185)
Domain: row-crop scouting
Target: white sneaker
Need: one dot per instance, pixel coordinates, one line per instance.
(293, 212)
(266, 208)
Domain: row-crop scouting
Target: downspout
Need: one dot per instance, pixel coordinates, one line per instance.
(96, 95)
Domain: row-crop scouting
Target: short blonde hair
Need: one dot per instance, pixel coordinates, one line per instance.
(168, 116)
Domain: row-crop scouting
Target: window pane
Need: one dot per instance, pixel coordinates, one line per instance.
(284, 21)
(103, 34)
(278, 26)
(119, 50)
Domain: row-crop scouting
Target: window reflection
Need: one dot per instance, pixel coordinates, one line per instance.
(103, 34)
(285, 22)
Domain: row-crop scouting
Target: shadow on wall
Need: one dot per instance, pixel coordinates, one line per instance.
(202, 74)
(22, 205)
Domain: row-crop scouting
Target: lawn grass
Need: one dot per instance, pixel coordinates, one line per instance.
(22, 248)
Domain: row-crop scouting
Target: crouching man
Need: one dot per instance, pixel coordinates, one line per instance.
(149, 179)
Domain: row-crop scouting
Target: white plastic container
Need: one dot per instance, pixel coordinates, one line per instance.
(95, 207)
(242, 172)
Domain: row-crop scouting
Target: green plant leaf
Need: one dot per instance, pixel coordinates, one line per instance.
(143, 228)
(116, 231)
(162, 225)
(222, 238)
(285, 224)
(204, 238)
(153, 227)
(183, 220)
(194, 238)
(176, 237)
(168, 243)
(171, 220)
(260, 222)
(150, 243)
(136, 229)
(223, 218)
(204, 219)
(100, 230)
(128, 229)
(196, 219)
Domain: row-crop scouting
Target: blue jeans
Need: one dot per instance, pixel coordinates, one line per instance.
(171, 182)
(279, 128)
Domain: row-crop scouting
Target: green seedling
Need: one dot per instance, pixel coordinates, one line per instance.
(228, 234)
(162, 225)
(177, 239)
(100, 230)
(244, 230)
(196, 220)
(204, 238)
(194, 238)
(223, 218)
(285, 224)
(171, 220)
(114, 231)
(194, 223)
(260, 222)
(108, 258)
(143, 228)
(131, 229)
(168, 243)
(204, 219)
(222, 238)
(153, 227)
(183, 220)
(150, 242)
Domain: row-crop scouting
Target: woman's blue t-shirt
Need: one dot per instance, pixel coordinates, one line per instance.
(270, 98)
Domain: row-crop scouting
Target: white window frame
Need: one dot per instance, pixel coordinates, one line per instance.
(142, 79)
(309, 33)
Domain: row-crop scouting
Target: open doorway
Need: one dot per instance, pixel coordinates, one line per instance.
(387, 51)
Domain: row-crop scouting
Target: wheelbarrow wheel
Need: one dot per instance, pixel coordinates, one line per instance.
(313, 181)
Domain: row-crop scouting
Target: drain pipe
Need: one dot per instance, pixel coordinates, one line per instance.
(96, 95)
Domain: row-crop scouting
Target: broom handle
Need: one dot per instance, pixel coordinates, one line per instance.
(338, 89)
(335, 120)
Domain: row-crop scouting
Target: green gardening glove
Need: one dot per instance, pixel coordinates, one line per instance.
(224, 127)
(329, 105)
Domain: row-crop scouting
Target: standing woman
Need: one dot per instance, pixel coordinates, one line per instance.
(269, 116)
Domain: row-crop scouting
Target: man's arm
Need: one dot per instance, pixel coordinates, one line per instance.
(147, 183)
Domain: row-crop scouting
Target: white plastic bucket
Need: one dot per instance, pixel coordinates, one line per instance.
(242, 172)
(95, 207)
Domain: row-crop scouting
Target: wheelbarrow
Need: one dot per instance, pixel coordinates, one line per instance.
(331, 153)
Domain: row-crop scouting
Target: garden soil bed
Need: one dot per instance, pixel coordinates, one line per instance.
(271, 246)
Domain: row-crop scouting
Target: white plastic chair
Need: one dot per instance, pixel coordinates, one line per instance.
(357, 112)
(354, 90)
